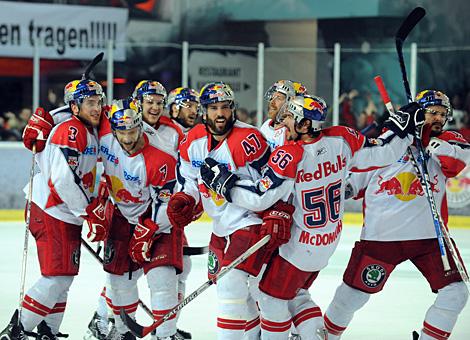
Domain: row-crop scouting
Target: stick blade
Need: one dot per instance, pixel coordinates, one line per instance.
(92, 64)
(409, 23)
(133, 326)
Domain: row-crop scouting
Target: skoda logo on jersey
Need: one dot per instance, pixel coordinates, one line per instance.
(212, 263)
(373, 275)
(109, 252)
(76, 256)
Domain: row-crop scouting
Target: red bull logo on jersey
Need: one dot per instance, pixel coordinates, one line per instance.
(321, 239)
(405, 186)
(88, 180)
(323, 170)
(120, 193)
(208, 193)
(164, 195)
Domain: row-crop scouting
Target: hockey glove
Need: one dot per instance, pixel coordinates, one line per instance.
(408, 120)
(142, 240)
(96, 220)
(180, 209)
(216, 177)
(38, 129)
(277, 222)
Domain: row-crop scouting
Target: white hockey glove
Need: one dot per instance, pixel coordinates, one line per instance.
(408, 120)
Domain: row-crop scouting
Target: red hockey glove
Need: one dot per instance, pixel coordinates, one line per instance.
(142, 240)
(277, 222)
(96, 219)
(180, 209)
(38, 129)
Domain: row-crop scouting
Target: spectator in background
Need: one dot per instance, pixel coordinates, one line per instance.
(23, 118)
(457, 114)
(465, 129)
(243, 115)
(347, 116)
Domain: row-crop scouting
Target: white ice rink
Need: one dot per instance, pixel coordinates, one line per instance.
(390, 315)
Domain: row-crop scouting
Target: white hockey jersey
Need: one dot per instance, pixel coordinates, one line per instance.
(395, 206)
(314, 174)
(137, 180)
(65, 184)
(274, 136)
(244, 151)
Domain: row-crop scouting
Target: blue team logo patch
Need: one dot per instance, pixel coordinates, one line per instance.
(213, 264)
(373, 275)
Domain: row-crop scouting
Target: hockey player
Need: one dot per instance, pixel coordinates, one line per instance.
(244, 150)
(277, 96)
(312, 170)
(62, 199)
(183, 107)
(143, 175)
(398, 227)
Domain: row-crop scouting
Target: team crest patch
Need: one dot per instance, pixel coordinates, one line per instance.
(76, 257)
(265, 183)
(164, 195)
(109, 253)
(212, 263)
(373, 275)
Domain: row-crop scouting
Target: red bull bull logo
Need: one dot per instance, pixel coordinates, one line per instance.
(405, 186)
(126, 197)
(207, 193)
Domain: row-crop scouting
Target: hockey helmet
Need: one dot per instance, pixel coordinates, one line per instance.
(180, 96)
(216, 92)
(308, 107)
(428, 98)
(78, 90)
(148, 87)
(124, 115)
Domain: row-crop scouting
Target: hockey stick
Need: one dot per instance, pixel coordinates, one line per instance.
(406, 27)
(442, 228)
(26, 234)
(91, 65)
(141, 331)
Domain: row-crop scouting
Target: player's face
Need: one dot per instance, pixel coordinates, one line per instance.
(289, 122)
(278, 99)
(188, 114)
(436, 117)
(90, 110)
(219, 116)
(152, 108)
(130, 140)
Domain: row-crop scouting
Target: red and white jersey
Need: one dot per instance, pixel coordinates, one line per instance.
(274, 136)
(313, 176)
(244, 152)
(137, 180)
(395, 205)
(166, 135)
(65, 184)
